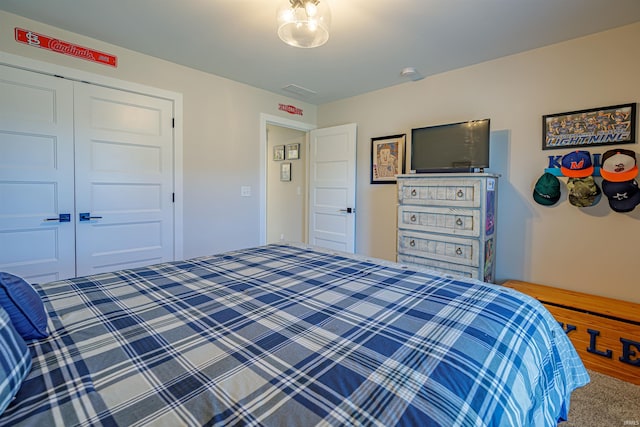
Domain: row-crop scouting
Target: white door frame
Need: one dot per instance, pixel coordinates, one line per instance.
(73, 74)
(266, 119)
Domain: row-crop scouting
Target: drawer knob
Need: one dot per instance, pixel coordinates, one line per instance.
(414, 192)
(460, 193)
(412, 243)
(459, 251)
(459, 222)
(413, 218)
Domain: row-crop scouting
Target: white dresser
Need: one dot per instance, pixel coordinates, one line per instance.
(447, 222)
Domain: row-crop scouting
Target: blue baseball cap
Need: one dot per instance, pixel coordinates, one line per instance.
(623, 196)
(577, 164)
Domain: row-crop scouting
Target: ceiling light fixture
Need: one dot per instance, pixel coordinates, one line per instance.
(304, 23)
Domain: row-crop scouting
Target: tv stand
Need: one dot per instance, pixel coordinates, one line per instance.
(447, 222)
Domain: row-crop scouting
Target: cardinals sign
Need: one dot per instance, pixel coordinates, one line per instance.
(44, 42)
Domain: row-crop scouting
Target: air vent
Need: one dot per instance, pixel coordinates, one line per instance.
(301, 92)
(411, 73)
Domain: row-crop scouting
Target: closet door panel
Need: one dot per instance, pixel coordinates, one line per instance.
(124, 179)
(36, 176)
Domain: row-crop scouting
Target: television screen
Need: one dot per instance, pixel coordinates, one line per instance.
(455, 147)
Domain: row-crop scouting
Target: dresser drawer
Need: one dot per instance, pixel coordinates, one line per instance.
(462, 222)
(440, 247)
(441, 267)
(440, 192)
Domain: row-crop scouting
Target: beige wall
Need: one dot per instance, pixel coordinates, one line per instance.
(593, 250)
(221, 140)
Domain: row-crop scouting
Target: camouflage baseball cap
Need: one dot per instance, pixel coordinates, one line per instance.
(583, 192)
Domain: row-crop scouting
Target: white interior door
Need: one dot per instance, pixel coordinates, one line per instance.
(332, 187)
(124, 179)
(37, 241)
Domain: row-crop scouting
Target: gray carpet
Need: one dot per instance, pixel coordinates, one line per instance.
(605, 401)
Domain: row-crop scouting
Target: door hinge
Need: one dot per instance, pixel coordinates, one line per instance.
(173, 123)
(173, 197)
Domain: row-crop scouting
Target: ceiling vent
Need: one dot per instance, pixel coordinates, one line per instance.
(411, 73)
(299, 91)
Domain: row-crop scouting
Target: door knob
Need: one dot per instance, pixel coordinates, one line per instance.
(86, 216)
(61, 218)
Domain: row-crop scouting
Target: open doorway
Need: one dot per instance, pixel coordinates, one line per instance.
(286, 184)
(275, 224)
(330, 181)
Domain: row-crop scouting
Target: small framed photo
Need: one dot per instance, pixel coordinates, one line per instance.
(278, 152)
(387, 158)
(293, 151)
(285, 172)
(615, 124)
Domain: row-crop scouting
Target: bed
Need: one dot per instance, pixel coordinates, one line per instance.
(289, 335)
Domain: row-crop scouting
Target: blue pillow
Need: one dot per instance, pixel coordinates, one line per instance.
(15, 361)
(24, 306)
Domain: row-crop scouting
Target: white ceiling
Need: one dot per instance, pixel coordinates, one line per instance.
(370, 41)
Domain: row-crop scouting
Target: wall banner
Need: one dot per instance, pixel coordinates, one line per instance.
(45, 42)
(290, 109)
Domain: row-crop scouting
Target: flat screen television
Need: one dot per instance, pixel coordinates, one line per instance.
(454, 147)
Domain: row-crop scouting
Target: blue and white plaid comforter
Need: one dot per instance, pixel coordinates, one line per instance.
(288, 336)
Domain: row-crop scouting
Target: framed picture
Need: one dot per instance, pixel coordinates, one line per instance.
(387, 158)
(615, 124)
(278, 152)
(293, 151)
(285, 172)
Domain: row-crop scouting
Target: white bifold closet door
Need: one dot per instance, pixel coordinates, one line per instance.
(37, 232)
(124, 179)
(86, 177)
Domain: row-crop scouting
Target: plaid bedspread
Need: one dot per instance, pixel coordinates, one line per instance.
(289, 336)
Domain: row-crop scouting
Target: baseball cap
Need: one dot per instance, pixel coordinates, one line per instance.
(547, 190)
(623, 196)
(577, 164)
(583, 192)
(619, 165)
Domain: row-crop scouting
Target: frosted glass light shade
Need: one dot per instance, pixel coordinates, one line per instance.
(304, 23)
